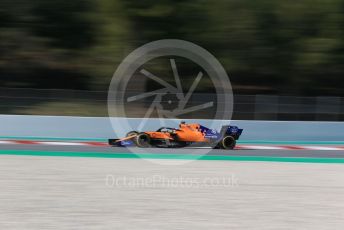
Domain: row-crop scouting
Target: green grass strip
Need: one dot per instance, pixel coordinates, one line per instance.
(170, 156)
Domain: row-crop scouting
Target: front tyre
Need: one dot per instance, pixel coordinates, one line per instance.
(227, 142)
(143, 140)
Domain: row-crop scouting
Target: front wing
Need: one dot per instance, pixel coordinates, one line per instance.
(121, 143)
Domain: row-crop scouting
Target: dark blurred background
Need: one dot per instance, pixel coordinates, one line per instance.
(285, 58)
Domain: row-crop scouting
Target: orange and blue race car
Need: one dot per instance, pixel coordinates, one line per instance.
(186, 135)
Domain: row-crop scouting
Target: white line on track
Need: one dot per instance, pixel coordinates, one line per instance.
(7, 142)
(322, 148)
(61, 143)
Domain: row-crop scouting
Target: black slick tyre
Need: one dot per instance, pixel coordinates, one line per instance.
(227, 142)
(143, 140)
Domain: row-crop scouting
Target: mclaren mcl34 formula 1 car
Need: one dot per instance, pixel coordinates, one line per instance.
(194, 135)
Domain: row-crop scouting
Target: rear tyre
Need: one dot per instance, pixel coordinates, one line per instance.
(131, 133)
(227, 142)
(143, 140)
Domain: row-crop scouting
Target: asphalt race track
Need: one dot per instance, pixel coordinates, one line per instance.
(58, 192)
(73, 193)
